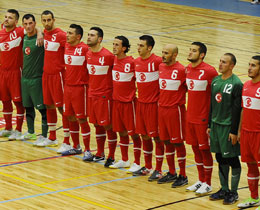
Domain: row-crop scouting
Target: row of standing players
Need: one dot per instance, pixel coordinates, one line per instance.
(89, 81)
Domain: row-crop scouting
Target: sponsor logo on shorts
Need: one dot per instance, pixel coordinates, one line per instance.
(226, 153)
(17, 97)
(78, 114)
(174, 139)
(38, 105)
(201, 145)
(102, 121)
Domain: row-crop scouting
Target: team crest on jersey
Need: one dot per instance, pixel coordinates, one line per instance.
(191, 84)
(248, 102)
(142, 77)
(218, 97)
(69, 59)
(117, 76)
(92, 70)
(27, 50)
(163, 84)
(6, 46)
(46, 45)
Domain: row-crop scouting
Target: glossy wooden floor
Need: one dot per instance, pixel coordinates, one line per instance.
(38, 178)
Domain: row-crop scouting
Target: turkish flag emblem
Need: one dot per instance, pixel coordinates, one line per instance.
(142, 77)
(163, 84)
(69, 59)
(27, 50)
(191, 85)
(46, 45)
(248, 102)
(218, 97)
(6, 46)
(117, 76)
(92, 70)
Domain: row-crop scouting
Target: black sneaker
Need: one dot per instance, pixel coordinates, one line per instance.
(230, 198)
(155, 176)
(168, 178)
(219, 195)
(98, 158)
(142, 172)
(180, 181)
(109, 162)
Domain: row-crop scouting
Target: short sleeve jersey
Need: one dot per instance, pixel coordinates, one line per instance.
(54, 43)
(100, 66)
(11, 44)
(33, 57)
(76, 64)
(198, 82)
(172, 80)
(251, 106)
(123, 79)
(225, 97)
(147, 78)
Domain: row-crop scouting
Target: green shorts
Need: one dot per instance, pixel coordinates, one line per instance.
(32, 93)
(219, 142)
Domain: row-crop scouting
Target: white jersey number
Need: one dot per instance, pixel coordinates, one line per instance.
(257, 92)
(13, 35)
(227, 88)
(174, 74)
(127, 67)
(201, 73)
(101, 60)
(53, 38)
(78, 50)
(151, 67)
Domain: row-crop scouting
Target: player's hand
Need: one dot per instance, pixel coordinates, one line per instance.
(208, 131)
(232, 138)
(238, 137)
(40, 39)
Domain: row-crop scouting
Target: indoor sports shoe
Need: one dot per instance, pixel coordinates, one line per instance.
(15, 135)
(5, 133)
(39, 140)
(73, 151)
(204, 189)
(88, 157)
(135, 167)
(194, 187)
(64, 147)
(219, 195)
(143, 172)
(47, 143)
(120, 164)
(155, 176)
(249, 203)
(98, 158)
(109, 161)
(255, 2)
(30, 136)
(168, 178)
(180, 181)
(230, 198)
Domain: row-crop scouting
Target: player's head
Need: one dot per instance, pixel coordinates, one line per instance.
(169, 54)
(74, 34)
(95, 36)
(11, 18)
(254, 67)
(29, 23)
(121, 45)
(197, 52)
(145, 45)
(48, 20)
(226, 63)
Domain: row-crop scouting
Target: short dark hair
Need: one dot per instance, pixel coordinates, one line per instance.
(256, 57)
(125, 42)
(149, 40)
(100, 32)
(47, 12)
(78, 29)
(28, 16)
(14, 11)
(202, 47)
(233, 58)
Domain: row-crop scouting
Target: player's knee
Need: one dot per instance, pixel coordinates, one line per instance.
(220, 159)
(234, 162)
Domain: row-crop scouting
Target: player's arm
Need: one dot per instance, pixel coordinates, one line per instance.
(39, 37)
(210, 113)
(239, 127)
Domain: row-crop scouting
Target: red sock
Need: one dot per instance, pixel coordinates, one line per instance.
(208, 165)
(148, 153)
(19, 115)
(100, 138)
(170, 152)
(7, 112)
(181, 155)
(253, 179)
(124, 143)
(159, 153)
(137, 149)
(66, 130)
(52, 121)
(112, 142)
(74, 132)
(85, 132)
(199, 162)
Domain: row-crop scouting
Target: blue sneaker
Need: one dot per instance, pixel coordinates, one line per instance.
(72, 151)
(88, 157)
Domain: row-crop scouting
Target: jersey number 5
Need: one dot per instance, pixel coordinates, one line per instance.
(257, 92)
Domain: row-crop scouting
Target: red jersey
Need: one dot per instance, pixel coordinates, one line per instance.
(199, 81)
(251, 106)
(76, 64)
(123, 79)
(54, 43)
(100, 66)
(147, 78)
(11, 44)
(172, 80)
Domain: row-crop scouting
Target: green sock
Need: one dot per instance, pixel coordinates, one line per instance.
(236, 172)
(223, 176)
(44, 122)
(30, 116)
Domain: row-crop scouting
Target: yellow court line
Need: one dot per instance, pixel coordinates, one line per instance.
(63, 193)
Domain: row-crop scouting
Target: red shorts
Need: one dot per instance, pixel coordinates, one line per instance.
(250, 146)
(10, 85)
(147, 119)
(123, 117)
(53, 90)
(75, 101)
(172, 123)
(196, 135)
(100, 110)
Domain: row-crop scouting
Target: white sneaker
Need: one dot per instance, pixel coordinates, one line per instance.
(15, 135)
(64, 147)
(134, 168)
(5, 133)
(249, 203)
(120, 164)
(204, 189)
(47, 143)
(255, 2)
(194, 187)
(39, 140)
